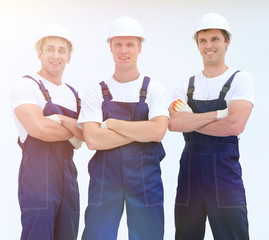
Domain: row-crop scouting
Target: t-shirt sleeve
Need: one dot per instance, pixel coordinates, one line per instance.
(91, 106)
(159, 101)
(23, 92)
(243, 87)
(180, 91)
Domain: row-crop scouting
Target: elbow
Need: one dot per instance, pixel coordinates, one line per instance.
(157, 139)
(236, 130)
(159, 135)
(171, 126)
(91, 144)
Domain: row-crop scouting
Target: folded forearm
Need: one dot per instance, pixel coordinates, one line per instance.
(188, 122)
(50, 131)
(98, 138)
(71, 125)
(140, 131)
(223, 128)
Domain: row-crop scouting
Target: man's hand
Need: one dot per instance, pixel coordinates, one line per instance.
(180, 106)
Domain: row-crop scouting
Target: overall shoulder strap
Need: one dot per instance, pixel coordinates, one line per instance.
(191, 88)
(144, 89)
(227, 86)
(105, 91)
(42, 88)
(77, 97)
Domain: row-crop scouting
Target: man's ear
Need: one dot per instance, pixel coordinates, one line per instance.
(69, 58)
(140, 48)
(228, 44)
(39, 54)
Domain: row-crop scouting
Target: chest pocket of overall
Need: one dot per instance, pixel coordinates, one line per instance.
(118, 110)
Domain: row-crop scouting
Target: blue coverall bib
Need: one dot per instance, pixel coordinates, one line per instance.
(48, 188)
(129, 174)
(210, 182)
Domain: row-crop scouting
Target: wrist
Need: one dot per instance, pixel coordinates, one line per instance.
(62, 118)
(54, 118)
(108, 123)
(222, 113)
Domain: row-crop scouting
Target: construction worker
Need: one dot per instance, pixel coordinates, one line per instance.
(211, 109)
(125, 119)
(45, 110)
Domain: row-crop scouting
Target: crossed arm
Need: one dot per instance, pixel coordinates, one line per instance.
(207, 123)
(120, 132)
(32, 119)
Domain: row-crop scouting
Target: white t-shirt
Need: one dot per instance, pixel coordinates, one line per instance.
(157, 99)
(209, 88)
(26, 91)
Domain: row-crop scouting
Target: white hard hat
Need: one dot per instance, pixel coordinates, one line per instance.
(125, 26)
(55, 30)
(212, 21)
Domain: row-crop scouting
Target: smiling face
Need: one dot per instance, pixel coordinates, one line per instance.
(212, 46)
(54, 54)
(125, 51)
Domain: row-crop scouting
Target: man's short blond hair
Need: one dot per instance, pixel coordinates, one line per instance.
(39, 45)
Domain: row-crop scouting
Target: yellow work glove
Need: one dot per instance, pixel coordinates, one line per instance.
(180, 106)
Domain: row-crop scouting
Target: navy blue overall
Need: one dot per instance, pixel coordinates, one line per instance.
(48, 188)
(210, 181)
(130, 173)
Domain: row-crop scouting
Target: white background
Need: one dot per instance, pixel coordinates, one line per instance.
(168, 55)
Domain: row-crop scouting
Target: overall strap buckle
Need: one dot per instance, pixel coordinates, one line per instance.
(42, 88)
(144, 89)
(191, 88)
(227, 86)
(105, 91)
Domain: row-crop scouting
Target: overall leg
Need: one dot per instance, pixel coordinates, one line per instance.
(39, 195)
(144, 196)
(144, 222)
(190, 214)
(105, 203)
(229, 223)
(226, 205)
(190, 223)
(67, 219)
(102, 221)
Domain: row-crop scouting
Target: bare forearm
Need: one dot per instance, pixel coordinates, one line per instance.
(141, 131)
(38, 126)
(50, 131)
(188, 122)
(71, 125)
(98, 138)
(228, 126)
(232, 125)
